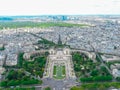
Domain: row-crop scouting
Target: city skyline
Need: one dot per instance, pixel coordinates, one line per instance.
(59, 7)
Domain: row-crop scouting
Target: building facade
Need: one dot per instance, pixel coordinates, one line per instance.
(59, 56)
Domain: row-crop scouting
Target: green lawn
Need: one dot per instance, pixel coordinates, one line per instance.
(37, 24)
(59, 72)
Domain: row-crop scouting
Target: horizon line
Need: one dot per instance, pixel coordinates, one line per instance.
(64, 15)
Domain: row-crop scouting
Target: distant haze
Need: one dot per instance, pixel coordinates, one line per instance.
(54, 7)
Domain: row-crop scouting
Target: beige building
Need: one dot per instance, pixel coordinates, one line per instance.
(1, 45)
(2, 69)
(59, 56)
(11, 59)
(110, 58)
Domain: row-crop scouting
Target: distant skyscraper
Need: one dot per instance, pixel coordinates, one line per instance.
(63, 18)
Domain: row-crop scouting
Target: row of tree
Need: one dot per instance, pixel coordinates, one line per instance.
(96, 79)
(19, 88)
(97, 86)
(7, 83)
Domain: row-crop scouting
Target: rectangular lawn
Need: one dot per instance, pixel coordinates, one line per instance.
(59, 72)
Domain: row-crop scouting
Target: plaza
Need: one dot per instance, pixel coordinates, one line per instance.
(59, 64)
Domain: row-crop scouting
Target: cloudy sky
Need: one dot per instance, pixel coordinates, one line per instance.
(43, 7)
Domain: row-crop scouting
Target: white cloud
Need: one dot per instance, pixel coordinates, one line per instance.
(38, 7)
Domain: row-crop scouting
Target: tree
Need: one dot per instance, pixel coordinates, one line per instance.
(88, 79)
(20, 74)
(20, 59)
(94, 73)
(47, 88)
(12, 75)
(3, 83)
(118, 78)
(103, 69)
(13, 83)
(32, 81)
(102, 78)
(46, 53)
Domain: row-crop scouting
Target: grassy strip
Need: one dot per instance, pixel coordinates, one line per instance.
(54, 70)
(47, 88)
(63, 70)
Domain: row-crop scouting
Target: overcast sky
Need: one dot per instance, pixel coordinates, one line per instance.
(43, 7)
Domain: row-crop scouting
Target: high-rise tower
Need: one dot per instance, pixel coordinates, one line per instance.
(59, 40)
